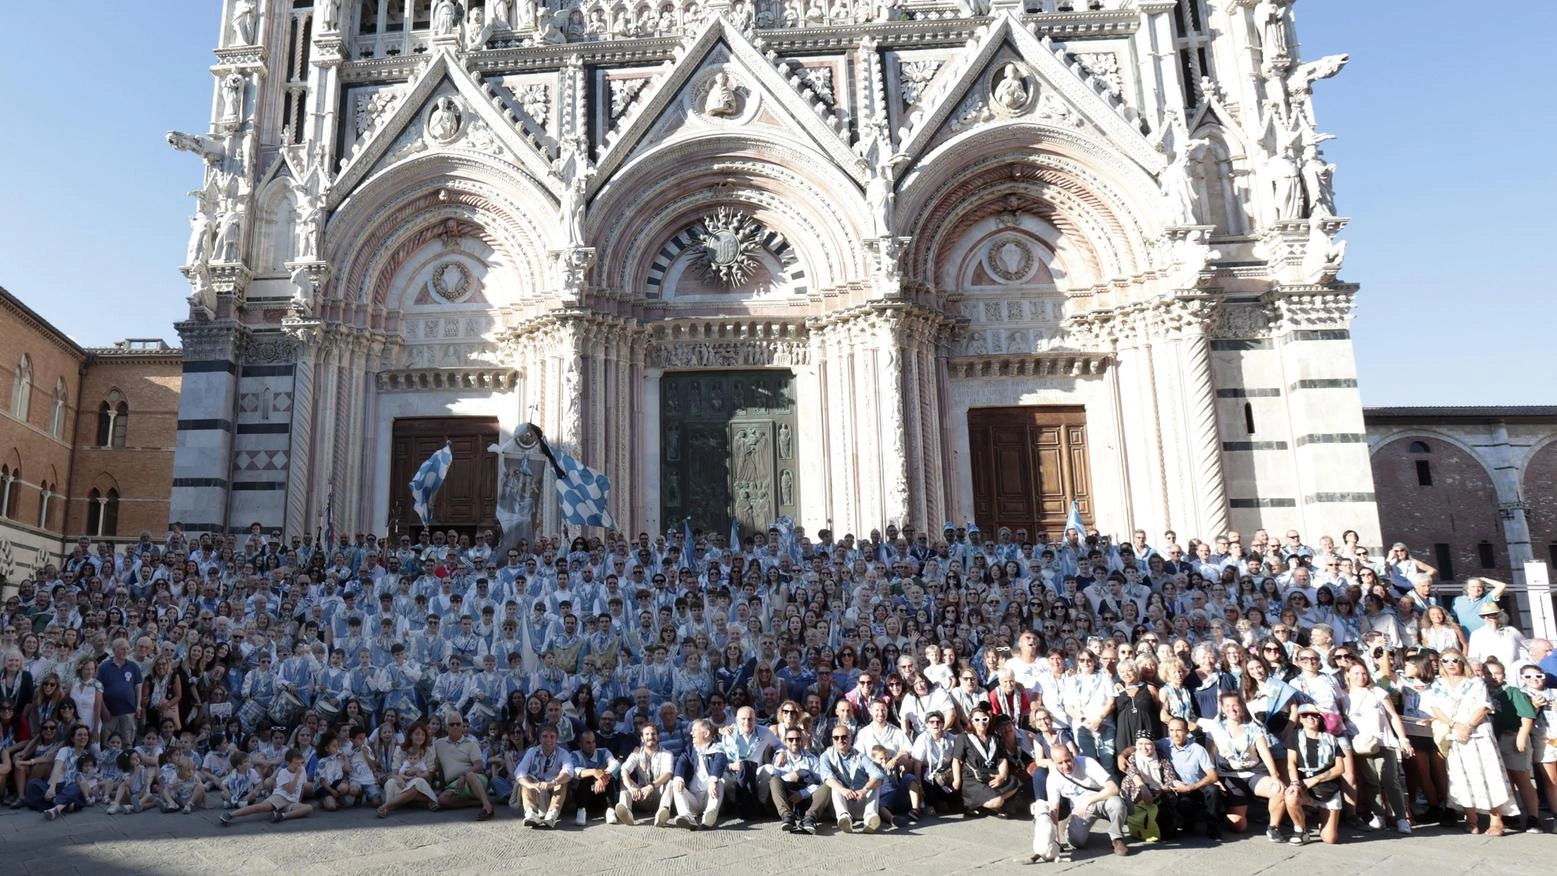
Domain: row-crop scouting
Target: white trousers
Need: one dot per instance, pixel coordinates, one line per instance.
(857, 810)
(692, 801)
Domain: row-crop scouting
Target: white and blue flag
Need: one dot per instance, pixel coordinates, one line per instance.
(428, 480)
(583, 492)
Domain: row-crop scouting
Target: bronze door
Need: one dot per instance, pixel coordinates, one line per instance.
(727, 448)
(468, 499)
(1028, 464)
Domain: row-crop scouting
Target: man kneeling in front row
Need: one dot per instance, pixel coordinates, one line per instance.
(1080, 792)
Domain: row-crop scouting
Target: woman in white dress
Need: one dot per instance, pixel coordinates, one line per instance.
(1462, 725)
(87, 692)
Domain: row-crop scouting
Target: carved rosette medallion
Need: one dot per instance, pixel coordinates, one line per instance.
(728, 245)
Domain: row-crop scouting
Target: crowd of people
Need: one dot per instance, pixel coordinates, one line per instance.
(851, 684)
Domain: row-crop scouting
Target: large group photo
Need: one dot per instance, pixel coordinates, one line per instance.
(834, 436)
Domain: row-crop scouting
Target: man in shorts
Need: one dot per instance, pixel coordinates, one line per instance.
(461, 762)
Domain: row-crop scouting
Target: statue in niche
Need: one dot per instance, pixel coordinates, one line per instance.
(444, 122)
(243, 16)
(266, 402)
(1284, 177)
(695, 398)
(1318, 181)
(310, 217)
(721, 102)
(329, 15)
(444, 18)
(786, 488)
(1178, 186)
(477, 31)
(1272, 15)
(715, 399)
(229, 229)
(673, 443)
(232, 97)
(575, 169)
(1011, 91)
(499, 10)
(784, 448)
(673, 403)
(202, 228)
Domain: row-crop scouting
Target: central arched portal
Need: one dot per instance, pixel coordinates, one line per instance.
(727, 448)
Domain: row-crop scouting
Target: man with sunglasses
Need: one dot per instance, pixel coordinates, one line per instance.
(855, 782)
(793, 781)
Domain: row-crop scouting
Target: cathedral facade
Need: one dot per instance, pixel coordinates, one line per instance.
(858, 263)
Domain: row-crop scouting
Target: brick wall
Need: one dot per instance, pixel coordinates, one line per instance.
(1459, 509)
(28, 444)
(141, 470)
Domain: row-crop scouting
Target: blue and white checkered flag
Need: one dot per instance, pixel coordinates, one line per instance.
(428, 480)
(583, 492)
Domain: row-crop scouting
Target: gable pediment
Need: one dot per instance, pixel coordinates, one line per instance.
(446, 109)
(1009, 75)
(720, 82)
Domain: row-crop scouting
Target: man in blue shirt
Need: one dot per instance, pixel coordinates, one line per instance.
(855, 781)
(1467, 606)
(795, 781)
(121, 681)
(1197, 798)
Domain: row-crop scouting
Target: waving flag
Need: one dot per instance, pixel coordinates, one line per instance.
(583, 492)
(688, 547)
(735, 536)
(1073, 521)
(428, 480)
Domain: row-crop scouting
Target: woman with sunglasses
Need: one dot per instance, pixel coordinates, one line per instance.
(1316, 763)
(46, 701)
(34, 758)
(1461, 713)
(59, 793)
(981, 767)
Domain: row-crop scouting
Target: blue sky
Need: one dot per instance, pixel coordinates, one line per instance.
(1445, 151)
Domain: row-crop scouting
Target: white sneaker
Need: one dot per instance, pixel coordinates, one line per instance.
(1402, 826)
(1375, 822)
(552, 818)
(661, 818)
(611, 816)
(582, 818)
(113, 808)
(711, 817)
(872, 823)
(531, 819)
(844, 824)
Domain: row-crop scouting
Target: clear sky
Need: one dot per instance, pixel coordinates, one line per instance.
(1445, 151)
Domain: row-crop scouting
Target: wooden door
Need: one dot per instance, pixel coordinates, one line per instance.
(468, 500)
(1028, 464)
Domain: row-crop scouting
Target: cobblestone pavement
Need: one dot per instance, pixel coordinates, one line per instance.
(414, 842)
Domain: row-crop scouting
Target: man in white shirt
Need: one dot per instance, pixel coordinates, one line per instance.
(645, 776)
(543, 777)
(1081, 791)
(1492, 639)
(748, 746)
(1027, 664)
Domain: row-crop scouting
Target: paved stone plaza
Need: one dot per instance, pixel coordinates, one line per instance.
(449, 843)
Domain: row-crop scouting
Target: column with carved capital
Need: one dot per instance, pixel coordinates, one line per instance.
(207, 409)
(888, 338)
(1199, 397)
(306, 337)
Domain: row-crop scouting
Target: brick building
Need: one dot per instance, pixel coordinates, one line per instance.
(86, 437)
(1471, 490)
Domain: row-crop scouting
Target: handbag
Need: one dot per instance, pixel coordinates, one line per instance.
(1366, 744)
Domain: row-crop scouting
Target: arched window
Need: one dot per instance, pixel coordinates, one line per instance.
(21, 390)
(45, 499)
(113, 418)
(94, 512)
(1419, 447)
(57, 415)
(110, 514)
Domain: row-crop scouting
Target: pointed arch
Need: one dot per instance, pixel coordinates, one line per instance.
(21, 388)
(58, 407)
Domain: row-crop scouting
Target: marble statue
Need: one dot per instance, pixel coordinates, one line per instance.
(1178, 185)
(243, 16)
(206, 147)
(232, 97)
(499, 11)
(1284, 176)
(444, 122)
(721, 102)
(444, 18)
(202, 229)
(328, 12)
(575, 169)
(1011, 91)
(1272, 17)
(310, 216)
(1318, 182)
